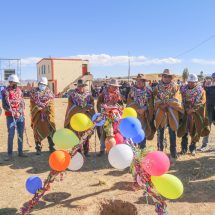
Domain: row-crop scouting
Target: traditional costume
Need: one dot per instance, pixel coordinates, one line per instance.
(80, 102)
(109, 102)
(141, 99)
(195, 120)
(168, 107)
(13, 104)
(42, 115)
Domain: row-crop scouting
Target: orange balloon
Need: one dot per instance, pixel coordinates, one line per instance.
(109, 143)
(59, 160)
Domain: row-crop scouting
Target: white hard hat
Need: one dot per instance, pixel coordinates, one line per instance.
(44, 81)
(13, 78)
(192, 78)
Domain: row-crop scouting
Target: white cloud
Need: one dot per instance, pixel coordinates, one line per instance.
(203, 61)
(30, 60)
(108, 60)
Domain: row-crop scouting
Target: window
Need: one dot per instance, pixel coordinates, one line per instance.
(43, 68)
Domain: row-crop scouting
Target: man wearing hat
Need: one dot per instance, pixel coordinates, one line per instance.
(109, 97)
(42, 115)
(141, 99)
(210, 102)
(80, 101)
(195, 121)
(167, 105)
(13, 104)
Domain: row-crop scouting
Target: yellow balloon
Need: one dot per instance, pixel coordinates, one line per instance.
(129, 112)
(81, 122)
(168, 186)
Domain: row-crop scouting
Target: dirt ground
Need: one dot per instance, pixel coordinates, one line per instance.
(98, 189)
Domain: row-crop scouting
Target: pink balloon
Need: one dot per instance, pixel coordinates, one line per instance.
(119, 138)
(156, 163)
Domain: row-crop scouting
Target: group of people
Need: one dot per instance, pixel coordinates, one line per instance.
(185, 110)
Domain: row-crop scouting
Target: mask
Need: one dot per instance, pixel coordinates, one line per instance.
(42, 87)
(14, 86)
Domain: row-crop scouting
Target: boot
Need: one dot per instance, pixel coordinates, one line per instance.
(38, 148)
(192, 149)
(101, 153)
(8, 158)
(184, 144)
(86, 148)
(22, 155)
(51, 145)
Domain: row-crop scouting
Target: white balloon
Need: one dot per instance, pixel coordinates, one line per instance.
(76, 162)
(120, 156)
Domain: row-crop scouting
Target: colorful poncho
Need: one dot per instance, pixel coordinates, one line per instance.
(41, 98)
(13, 101)
(79, 103)
(196, 124)
(193, 96)
(143, 99)
(110, 103)
(166, 91)
(167, 94)
(109, 98)
(42, 113)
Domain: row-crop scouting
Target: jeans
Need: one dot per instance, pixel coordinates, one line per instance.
(172, 137)
(19, 124)
(101, 135)
(211, 119)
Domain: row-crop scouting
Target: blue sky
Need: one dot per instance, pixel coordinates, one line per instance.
(104, 31)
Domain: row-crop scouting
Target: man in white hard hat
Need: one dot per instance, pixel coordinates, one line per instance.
(13, 104)
(42, 115)
(195, 120)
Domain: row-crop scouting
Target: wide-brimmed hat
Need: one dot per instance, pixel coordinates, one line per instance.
(114, 82)
(192, 78)
(80, 83)
(140, 77)
(167, 72)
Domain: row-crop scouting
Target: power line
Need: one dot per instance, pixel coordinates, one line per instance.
(196, 46)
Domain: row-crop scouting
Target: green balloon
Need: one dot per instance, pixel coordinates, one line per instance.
(168, 186)
(65, 139)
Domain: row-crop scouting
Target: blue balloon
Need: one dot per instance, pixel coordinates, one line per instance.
(101, 123)
(130, 127)
(139, 138)
(33, 183)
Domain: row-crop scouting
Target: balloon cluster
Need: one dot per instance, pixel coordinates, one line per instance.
(149, 172)
(65, 157)
(157, 164)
